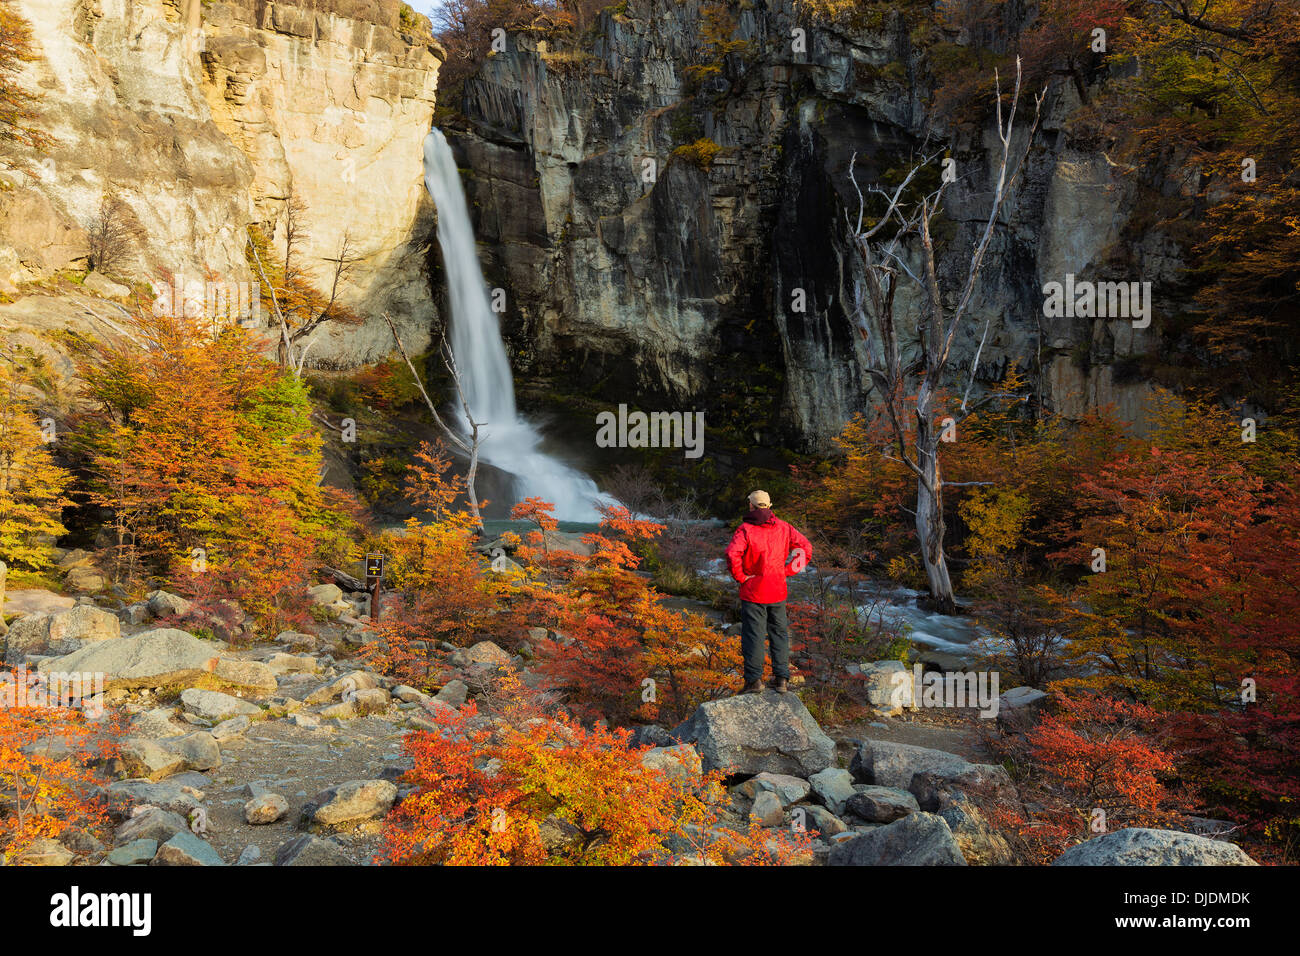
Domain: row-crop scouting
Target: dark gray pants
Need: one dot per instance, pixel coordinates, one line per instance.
(761, 624)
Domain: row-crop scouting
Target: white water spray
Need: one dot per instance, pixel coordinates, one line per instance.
(511, 443)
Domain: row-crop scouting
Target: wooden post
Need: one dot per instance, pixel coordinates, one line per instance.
(374, 574)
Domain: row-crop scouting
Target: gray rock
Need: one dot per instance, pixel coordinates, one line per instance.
(887, 764)
(325, 594)
(252, 675)
(198, 750)
(169, 795)
(166, 604)
(265, 808)
(155, 724)
(918, 839)
(980, 844)
(752, 733)
(215, 706)
(789, 788)
(822, 820)
(45, 852)
(767, 810)
(153, 659)
(931, 787)
(61, 632)
(454, 693)
(151, 824)
(230, 729)
(353, 801)
(249, 856)
(140, 757)
(308, 850)
(1140, 846)
(185, 849)
(833, 787)
(135, 853)
(881, 804)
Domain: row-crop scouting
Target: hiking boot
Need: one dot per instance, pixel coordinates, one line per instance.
(780, 685)
(752, 687)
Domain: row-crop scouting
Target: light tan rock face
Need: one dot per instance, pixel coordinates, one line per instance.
(204, 117)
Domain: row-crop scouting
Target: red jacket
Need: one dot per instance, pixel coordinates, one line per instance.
(757, 556)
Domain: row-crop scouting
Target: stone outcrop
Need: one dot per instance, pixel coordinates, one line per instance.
(634, 271)
(754, 733)
(203, 118)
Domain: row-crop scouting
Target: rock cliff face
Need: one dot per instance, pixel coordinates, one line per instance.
(203, 118)
(655, 279)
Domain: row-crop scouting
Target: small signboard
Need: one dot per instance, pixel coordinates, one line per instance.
(374, 566)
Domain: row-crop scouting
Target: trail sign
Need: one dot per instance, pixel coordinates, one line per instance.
(374, 565)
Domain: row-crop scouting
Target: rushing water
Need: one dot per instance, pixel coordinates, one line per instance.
(512, 443)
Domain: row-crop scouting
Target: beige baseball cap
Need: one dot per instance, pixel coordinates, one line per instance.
(760, 499)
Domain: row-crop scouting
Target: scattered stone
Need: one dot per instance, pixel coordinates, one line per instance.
(752, 733)
(253, 675)
(151, 824)
(352, 801)
(230, 729)
(266, 808)
(374, 700)
(881, 804)
(918, 839)
(166, 604)
(296, 640)
(888, 764)
(45, 852)
(308, 850)
(135, 853)
(292, 664)
(767, 810)
(139, 757)
(185, 849)
(325, 594)
(484, 652)
(169, 795)
(343, 710)
(155, 724)
(453, 694)
(1141, 846)
(340, 686)
(306, 721)
(250, 856)
(789, 789)
(889, 685)
(215, 706)
(822, 820)
(199, 750)
(833, 787)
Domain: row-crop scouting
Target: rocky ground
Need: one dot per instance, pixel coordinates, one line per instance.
(289, 751)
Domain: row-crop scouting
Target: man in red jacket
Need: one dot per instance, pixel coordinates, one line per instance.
(758, 556)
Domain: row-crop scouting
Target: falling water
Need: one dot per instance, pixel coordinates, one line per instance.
(511, 443)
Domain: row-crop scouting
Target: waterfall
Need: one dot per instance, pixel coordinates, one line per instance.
(511, 443)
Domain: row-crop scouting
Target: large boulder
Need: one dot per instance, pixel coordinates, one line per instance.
(881, 804)
(353, 801)
(251, 675)
(918, 839)
(185, 849)
(60, 633)
(1139, 846)
(153, 659)
(753, 733)
(928, 774)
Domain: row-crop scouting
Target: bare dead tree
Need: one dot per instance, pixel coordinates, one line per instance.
(467, 444)
(113, 236)
(881, 254)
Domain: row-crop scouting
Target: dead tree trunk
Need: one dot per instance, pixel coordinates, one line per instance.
(881, 256)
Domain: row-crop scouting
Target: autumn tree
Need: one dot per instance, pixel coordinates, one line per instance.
(532, 787)
(32, 486)
(45, 791)
(203, 453)
(19, 109)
